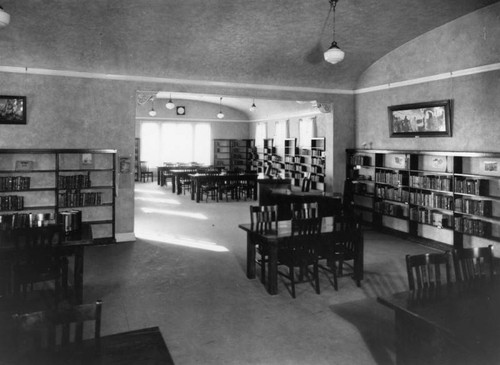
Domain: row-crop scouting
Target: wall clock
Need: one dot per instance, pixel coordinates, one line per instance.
(181, 110)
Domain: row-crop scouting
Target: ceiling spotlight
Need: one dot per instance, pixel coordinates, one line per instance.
(334, 54)
(170, 104)
(4, 18)
(253, 107)
(152, 112)
(220, 114)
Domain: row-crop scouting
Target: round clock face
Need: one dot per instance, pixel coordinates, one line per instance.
(181, 110)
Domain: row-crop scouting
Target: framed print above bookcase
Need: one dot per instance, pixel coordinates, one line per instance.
(12, 109)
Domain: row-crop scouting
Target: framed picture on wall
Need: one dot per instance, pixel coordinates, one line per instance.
(431, 119)
(12, 109)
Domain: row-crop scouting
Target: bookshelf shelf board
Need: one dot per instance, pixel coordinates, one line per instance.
(25, 172)
(392, 185)
(35, 207)
(27, 190)
(432, 225)
(84, 170)
(365, 195)
(495, 220)
(448, 192)
(479, 197)
(449, 211)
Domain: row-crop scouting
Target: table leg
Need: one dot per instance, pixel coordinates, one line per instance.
(193, 191)
(250, 257)
(174, 178)
(78, 274)
(179, 187)
(272, 272)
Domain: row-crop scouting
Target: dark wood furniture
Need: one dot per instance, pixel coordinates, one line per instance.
(447, 325)
(473, 263)
(428, 270)
(178, 175)
(146, 174)
(138, 347)
(72, 244)
(198, 179)
(301, 251)
(272, 240)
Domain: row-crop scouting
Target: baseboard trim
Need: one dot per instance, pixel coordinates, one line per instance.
(125, 237)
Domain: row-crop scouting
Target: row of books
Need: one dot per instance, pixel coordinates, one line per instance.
(25, 220)
(79, 199)
(11, 202)
(394, 210)
(390, 177)
(13, 183)
(359, 160)
(397, 194)
(427, 216)
(472, 226)
(477, 207)
(431, 182)
(317, 161)
(471, 186)
(80, 181)
(432, 200)
(317, 169)
(318, 153)
(317, 178)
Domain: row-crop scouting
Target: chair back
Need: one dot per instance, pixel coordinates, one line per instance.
(55, 329)
(473, 263)
(428, 270)
(264, 218)
(37, 245)
(144, 166)
(306, 227)
(304, 210)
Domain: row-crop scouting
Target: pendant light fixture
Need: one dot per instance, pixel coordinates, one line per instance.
(4, 18)
(253, 107)
(220, 114)
(152, 112)
(170, 104)
(334, 54)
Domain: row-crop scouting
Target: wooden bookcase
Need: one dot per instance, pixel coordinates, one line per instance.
(449, 197)
(39, 185)
(137, 157)
(234, 154)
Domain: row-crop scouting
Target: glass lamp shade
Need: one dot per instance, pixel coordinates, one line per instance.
(170, 105)
(334, 54)
(253, 107)
(152, 113)
(4, 18)
(220, 115)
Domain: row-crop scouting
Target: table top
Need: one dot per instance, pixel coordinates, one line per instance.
(466, 312)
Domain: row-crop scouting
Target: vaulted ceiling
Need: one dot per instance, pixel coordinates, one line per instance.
(266, 42)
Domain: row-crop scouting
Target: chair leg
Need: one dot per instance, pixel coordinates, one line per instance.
(263, 269)
(316, 277)
(292, 280)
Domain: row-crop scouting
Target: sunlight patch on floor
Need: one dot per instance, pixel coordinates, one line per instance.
(149, 191)
(159, 200)
(174, 212)
(166, 239)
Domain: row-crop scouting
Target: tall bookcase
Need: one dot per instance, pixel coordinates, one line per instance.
(137, 157)
(234, 154)
(37, 186)
(449, 197)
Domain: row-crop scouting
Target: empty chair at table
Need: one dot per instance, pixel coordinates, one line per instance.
(230, 186)
(301, 251)
(428, 270)
(304, 210)
(209, 186)
(146, 174)
(39, 259)
(473, 263)
(263, 218)
(41, 335)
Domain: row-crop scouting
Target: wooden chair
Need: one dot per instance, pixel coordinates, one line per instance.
(230, 187)
(39, 258)
(425, 270)
(145, 173)
(304, 210)
(209, 187)
(473, 263)
(167, 174)
(185, 182)
(301, 251)
(263, 218)
(52, 331)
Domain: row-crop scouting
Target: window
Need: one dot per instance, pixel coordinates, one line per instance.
(175, 142)
(306, 131)
(281, 132)
(260, 134)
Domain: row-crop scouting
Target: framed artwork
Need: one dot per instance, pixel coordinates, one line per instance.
(12, 109)
(431, 119)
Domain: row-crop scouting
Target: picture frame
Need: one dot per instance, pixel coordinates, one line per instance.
(12, 109)
(429, 119)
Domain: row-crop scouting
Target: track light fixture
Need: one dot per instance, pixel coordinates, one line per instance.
(253, 107)
(152, 112)
(334, 54)
(170, 104)
(220, 114)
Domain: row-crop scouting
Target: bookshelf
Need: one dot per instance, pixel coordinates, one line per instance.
(448, 197)
(234, 154)
(137, 157)
(38, 186)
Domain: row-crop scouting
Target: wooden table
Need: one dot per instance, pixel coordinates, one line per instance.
(199, 178)
(72, 244)
(177, 175)
(139, 347)
(274, 239)
(455, 324)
